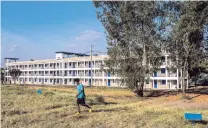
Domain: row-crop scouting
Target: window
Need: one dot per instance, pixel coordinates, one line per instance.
(147, 81)
(51, 80)
(162, 70)
(39, 80)
(163, 59)
(163, 82)
(45, 80)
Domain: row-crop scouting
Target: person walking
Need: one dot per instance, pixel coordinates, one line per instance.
(81, 96)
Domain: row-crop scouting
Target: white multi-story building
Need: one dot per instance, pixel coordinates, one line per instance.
(67, 66)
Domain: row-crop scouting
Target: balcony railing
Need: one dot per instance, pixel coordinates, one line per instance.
(98, 74)
(97, 65)
(172, 75)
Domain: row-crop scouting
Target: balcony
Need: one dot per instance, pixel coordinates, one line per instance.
(163, 63)
(172, 75)
(98, 66)
(81, 66)
(168, 62)
(40, 67)
(98, 74)
(80, 74)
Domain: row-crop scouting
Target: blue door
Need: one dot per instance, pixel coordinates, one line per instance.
(108, 74)
(108, 82)
(155, 74)
(155, 84)
(89, 64)
(89, 73)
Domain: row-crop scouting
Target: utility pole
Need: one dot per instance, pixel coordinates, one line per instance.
(91, 63)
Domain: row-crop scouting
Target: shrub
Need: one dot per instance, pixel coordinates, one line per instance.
(49, 94)
(99, 99)
(185, 97)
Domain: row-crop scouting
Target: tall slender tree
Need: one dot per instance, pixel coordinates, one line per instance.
(134, 39)
(186, 45)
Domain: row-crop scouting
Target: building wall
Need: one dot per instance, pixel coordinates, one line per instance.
(64, 71)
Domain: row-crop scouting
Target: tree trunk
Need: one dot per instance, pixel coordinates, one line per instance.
(195, 82)
(14, 81)
(139, 89)
(144, 62)
(183, 79)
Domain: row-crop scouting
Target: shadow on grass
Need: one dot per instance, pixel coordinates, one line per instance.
(14, 112)
(101, 103)
(53, 107)
(201, 90)
(159, 93)
(203, 122)
(108, 110)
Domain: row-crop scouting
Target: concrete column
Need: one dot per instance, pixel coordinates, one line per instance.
(103, 82)
(63, 72)
(180, 79)
(177, 79)
(44, 74)
(93, 72)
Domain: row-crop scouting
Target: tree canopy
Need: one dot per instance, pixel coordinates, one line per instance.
(15, 73)
(140, 32)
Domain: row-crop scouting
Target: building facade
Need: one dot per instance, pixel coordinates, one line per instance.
(67, 66)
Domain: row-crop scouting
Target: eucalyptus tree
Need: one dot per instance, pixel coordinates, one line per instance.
(186, 47)
(133, 31)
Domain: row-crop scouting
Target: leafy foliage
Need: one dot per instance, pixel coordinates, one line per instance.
(134, 36)
(2, 75)
(186, 46)
(139, 32)
(15, 73)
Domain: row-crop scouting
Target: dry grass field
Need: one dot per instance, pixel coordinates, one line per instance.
(22, 107)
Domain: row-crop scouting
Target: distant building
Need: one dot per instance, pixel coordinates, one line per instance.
(67, 66)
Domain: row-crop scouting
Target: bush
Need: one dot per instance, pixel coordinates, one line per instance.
(49, 94)
(99, 99)
(185, 97)
(90, 102)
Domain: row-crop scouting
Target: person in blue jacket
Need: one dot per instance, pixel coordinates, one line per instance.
(81, 96)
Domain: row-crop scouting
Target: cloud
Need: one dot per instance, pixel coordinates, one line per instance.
(13, 48)
(42, 46)
(89, 35)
